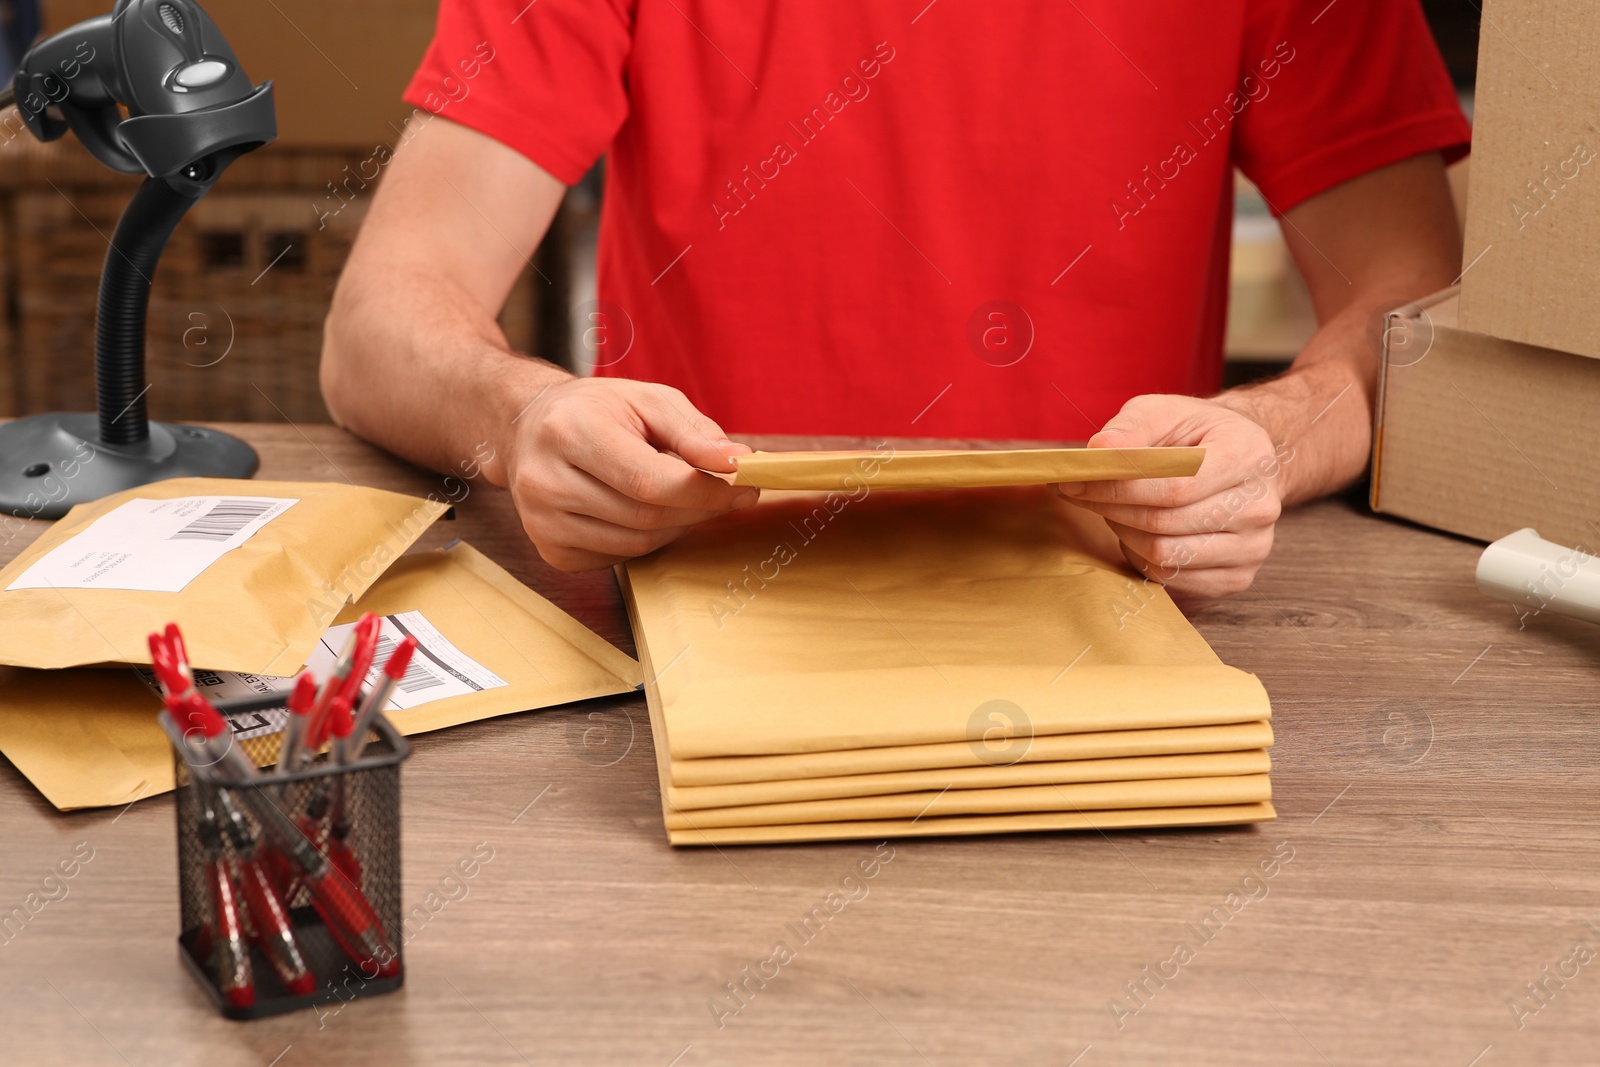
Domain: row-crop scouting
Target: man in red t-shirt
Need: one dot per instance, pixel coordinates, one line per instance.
(903, 218)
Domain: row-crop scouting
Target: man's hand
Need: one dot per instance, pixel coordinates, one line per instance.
(1363, 247)
(413, 359)
(1205, 535)
(596, 474)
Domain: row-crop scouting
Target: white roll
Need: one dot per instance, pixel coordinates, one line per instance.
(1539, 575)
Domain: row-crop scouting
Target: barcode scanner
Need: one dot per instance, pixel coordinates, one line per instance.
(152, 88)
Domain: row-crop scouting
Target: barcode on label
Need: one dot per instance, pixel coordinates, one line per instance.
(417, 677)
(225, 519)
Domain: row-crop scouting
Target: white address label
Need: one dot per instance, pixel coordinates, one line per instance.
(156, 546)
(438, 669)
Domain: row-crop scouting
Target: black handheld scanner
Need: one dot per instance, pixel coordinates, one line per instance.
(151, 88)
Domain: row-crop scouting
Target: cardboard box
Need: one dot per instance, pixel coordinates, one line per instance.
(1482, 436)
(338, 66)
(1533, 208)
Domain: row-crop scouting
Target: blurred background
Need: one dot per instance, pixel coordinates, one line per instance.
(244, 284)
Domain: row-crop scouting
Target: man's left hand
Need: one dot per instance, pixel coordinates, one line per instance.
(1206, 535)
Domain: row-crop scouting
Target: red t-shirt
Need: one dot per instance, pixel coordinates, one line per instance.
(940, 219)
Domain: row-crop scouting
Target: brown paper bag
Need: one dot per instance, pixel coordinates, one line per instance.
(888, 468)
(730, 770)
(88, 737)
(1029, 822)
(253, 572)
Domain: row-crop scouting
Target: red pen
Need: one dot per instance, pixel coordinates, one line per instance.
(188, 708)
(338, 720)
(346, 913)
(347, 749)
(197, 718)
(322, 729)
(273, 930)
(313, 819)
(179, 649)
(294, 734)
(394, 669)
(325, 809)
(234, 976)
(324, 832)
(367, 630)
(170, 661)
(336, 726)
(233, 955)
(342, 668)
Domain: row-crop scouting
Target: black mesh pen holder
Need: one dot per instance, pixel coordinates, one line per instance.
(289, 885)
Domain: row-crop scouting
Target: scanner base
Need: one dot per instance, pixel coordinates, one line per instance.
(49, 463)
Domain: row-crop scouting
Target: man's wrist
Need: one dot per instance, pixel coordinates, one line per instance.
(1264, 406)
(512, 395)
(1319, 418)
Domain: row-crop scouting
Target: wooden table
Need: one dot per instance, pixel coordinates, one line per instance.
(1436, 780)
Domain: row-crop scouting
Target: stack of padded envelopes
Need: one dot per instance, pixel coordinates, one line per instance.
(863, 664)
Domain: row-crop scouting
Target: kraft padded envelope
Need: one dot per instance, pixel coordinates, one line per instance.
(1029, 822)
(915, 618)
(731, 770)
(1135, 769)
(88, 737)
(889, 468)
(852, 635)
(1083, 796)
(259, 607)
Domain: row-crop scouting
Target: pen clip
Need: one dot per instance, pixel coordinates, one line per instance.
(180, 651)
(169, 666)
(303, 694)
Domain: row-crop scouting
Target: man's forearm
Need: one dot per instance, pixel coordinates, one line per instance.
(412, 358)
(1319, 412)
(1365, 246)
(414, 364)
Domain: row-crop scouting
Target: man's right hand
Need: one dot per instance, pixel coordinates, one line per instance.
(605, 469)
(600, 469)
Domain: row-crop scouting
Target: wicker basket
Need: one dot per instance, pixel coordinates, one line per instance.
(236, 308)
